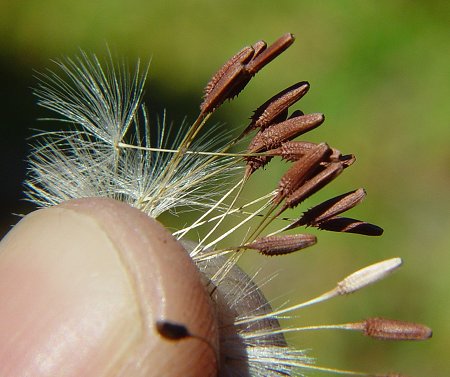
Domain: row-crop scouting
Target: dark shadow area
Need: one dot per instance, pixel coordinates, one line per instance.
(18, 114)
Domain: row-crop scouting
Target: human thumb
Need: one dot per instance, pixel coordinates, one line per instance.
(83, 286)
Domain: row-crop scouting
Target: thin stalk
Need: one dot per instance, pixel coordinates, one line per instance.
(316, 300)
(239, 209)
(199, 153)
(226, 234)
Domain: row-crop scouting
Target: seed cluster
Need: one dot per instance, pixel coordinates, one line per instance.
(235, 74)
(312, 167)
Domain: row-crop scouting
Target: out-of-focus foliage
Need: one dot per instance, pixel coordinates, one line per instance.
(380, 73)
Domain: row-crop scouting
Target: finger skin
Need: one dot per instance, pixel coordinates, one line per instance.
(82, 285)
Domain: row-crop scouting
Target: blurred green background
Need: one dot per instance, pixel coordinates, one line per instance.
(378, 70)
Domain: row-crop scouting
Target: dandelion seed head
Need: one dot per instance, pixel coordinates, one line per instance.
(110, 149)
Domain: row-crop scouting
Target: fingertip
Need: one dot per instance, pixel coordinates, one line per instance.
(84, 284)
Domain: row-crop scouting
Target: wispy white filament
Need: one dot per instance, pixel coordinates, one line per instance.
(104, 106)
